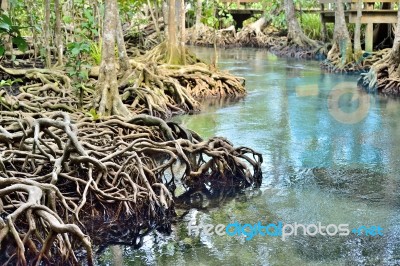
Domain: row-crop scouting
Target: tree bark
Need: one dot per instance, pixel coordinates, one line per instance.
(124, 65)
(109, 102)
(155, 21)
(172, 43)
(7, 42)
(357, 33)
(47, 33)
(57, 32)
(199, 8)
(342, 46)
(295, 33)
(395, 52)
(183, 33)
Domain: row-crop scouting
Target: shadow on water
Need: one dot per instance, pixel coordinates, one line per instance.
(330, 156)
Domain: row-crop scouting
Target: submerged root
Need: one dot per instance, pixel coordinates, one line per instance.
(253, 35)
(68, 182)
(358, 65)
(383, 76)
(71, 180)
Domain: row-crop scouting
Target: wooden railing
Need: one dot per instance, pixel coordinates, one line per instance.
(370, 15)
(368, 4)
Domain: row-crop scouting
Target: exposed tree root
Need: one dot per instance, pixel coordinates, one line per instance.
(358, 65)
(254, 35)
(250, 36)
(159, 90)
(163, 90)
(296, 51)
(144, 36)
(63, 180)
(69, 178)
(383, 76)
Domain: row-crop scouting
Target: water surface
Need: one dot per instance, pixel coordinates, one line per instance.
(330, 156)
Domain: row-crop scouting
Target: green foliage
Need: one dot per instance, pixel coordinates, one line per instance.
(216, 15)
(225, 18)
(312, 26)
(278, 21)
(306, 4)
(77, 48)
(129, 9)
(8, 28)
(95, 52)
(78, 67)
(9, 82)
(135, 30)
(93, 114)
(89, 26)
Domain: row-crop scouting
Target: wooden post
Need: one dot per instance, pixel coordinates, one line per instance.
(369, 37)
(324, 32)
(369, 32)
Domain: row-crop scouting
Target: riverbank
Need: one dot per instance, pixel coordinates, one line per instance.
(317, 169)
(72, 179)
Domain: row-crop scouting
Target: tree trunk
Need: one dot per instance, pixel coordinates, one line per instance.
(342, 47)
(34, 32)
(183, 33)
(124, 65)
(155, 21)
(357, 33)
(57, 32)
(47, 33)
(165, 9)
(392, 63)
(109, 102)
(172, 43)
(295, 33)
(7, 42)
(199, 7)
(4, 5)
(395, 52)
(324, 31)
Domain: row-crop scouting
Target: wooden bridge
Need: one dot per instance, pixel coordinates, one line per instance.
(372, 13)
(242, 12)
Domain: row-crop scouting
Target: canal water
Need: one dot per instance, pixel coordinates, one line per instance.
(331, 156)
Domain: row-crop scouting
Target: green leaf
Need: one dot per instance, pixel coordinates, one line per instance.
(5, 19)
(20, 42)
(85, 47)
(15, 29)
(67, 19)
(2, 50)
(71, 45)
(83, 74)
(95, 116)
(4, 26)
(75, 51)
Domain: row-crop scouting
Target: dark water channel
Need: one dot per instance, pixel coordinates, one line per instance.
(331, 155)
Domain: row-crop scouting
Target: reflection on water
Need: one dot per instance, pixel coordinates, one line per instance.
(330, 156)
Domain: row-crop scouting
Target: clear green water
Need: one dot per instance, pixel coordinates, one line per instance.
(330, 156)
